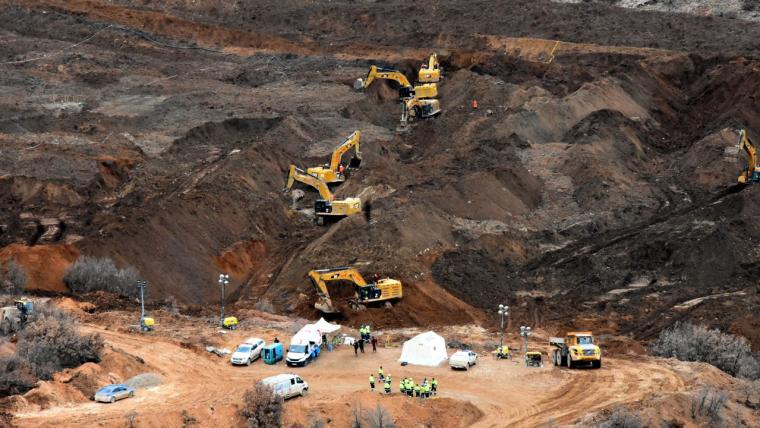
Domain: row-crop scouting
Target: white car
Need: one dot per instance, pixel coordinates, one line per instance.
(287, 385)
(463, 360)
(248, 351)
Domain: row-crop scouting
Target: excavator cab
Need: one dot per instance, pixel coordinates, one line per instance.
(430, 72)
(370, 292)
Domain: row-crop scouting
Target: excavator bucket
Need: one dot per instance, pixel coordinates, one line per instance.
(359, 84)
(325, 305)
(355, 162)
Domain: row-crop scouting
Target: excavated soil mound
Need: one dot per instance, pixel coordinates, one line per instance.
(591, 185)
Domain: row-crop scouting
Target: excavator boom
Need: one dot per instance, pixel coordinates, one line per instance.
(327, 206)
(297, 174)
(752, 173)
(384, 289)
(426, 90)
(331, 173)
(376, 72)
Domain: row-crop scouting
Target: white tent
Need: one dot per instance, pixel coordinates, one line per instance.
(426, 349)
(325, 327)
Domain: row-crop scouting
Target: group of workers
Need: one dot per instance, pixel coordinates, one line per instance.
(406, 385)
(366, 336)
(365, 332)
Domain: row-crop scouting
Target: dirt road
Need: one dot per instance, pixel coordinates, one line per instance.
(209, 389)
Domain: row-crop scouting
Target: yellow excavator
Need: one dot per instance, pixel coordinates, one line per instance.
(416, 101)
(425, 90)
(382, 290)
(431, 71)
(326, 208)
(751, 174)
(331, 173)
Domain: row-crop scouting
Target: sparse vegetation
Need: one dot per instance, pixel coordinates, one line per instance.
(689, 342)
(622, 417)
(261, 408)
(131, 419)
(50, 342)
(379, 418)
(752, 393)
(188, 420)
(708, 402)
(15, 376)
(47, 343)
(751, 5)
(12, 278)
(93, 274)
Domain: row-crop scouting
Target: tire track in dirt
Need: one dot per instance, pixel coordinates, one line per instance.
(588, 391)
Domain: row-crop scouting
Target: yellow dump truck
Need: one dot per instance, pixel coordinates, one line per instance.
(577, 348)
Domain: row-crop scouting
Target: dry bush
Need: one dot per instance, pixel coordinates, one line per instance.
(93, 274)
(356, 416)
(15, 376)
(131, 418)
(6, 419)
(379, 418)
(261, 408)
(50, 342)
(708, 402)
(188, 420)
(621, 418)
(752, 393)
(12, 278)
(689, 342)
(751, 5)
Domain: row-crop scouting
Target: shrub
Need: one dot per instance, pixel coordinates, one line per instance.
(15, 377)
(261, 408)
(688, 342)
(12, 278)
(379, 418)
(50, 342)
(92, 274)
(708, 402)
(621, 418)
(751, 5)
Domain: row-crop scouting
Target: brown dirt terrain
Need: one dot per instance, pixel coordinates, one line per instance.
(162, 140)
(521, 397)
(592, 187)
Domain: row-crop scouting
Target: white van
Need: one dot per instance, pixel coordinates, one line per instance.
(287, 385)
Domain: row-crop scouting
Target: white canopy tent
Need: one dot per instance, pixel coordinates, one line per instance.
(325, 327)
(425, 349)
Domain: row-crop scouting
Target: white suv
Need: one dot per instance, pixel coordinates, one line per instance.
(248, 351)
(463, 360)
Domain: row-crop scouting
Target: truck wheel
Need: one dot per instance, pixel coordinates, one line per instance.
(304, 392)
(569, 361)
(556, 358)
(597, 364)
